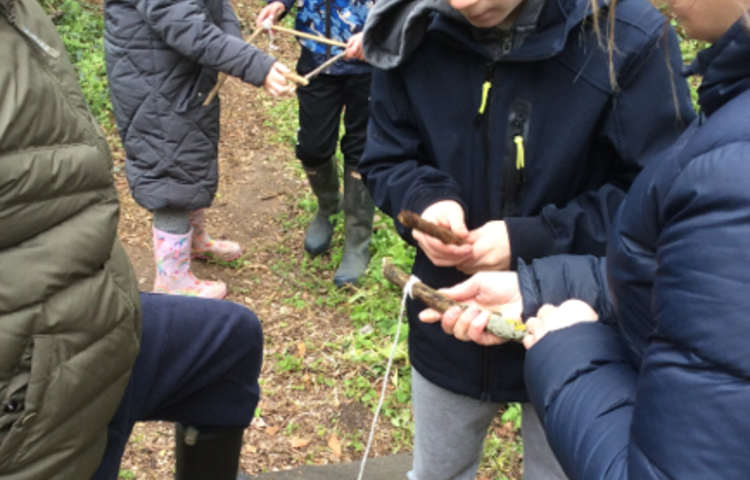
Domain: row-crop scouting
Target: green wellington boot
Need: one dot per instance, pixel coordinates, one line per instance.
(214, 456)
(358, 212)
(324, 182)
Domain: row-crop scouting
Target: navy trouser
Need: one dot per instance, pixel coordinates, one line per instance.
(320, 106)
(198, 365)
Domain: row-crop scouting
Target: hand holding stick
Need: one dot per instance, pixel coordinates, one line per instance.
(412, 220)
(510, 328)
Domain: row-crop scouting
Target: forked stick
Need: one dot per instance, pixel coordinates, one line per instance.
(510, 328)
(317, 38)
(325, 65)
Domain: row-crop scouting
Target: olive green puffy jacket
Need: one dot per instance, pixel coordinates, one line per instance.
(69, 308)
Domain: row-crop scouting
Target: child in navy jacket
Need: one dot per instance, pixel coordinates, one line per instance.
(501, 120)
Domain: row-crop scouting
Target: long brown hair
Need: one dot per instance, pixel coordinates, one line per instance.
(609, 42)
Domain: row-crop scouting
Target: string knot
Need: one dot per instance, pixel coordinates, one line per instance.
(409, 285)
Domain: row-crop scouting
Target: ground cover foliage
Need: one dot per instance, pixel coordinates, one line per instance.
(349, 362)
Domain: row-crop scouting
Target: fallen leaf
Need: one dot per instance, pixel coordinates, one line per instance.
(299, 442)
(301, 349)
(272, 430)
(335, 445)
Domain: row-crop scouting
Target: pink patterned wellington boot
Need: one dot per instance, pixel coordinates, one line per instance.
(173, 275)
(207, 248)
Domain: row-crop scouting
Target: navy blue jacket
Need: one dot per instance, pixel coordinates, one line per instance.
(584, 144)
(669, 395)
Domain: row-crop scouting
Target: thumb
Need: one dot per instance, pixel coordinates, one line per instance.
(463, 291)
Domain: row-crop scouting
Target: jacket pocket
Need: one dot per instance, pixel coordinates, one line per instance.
(196, 91)
(22, 395)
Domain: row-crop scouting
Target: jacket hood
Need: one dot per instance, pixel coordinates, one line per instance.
(395, 28)
(725, 68)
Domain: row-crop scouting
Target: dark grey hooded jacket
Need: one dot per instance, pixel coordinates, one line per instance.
(163, 57)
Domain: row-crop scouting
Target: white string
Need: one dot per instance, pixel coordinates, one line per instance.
(267, 24)
(407, 293)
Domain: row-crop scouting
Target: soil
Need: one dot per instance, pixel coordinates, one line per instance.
(301, 421)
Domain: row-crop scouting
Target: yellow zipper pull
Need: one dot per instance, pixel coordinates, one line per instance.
(486, 86)
(520, 153)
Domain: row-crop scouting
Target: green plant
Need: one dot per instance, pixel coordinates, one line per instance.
(81, 27)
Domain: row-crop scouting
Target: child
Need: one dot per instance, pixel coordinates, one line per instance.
(343, 87)
(501, 120)
(664, 394)
(163, 58)
(83, 356)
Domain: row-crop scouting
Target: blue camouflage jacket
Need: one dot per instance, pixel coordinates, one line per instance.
(335, 19)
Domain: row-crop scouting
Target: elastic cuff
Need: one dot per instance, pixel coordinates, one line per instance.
(427, 197)
(529, 238)
(532, 299)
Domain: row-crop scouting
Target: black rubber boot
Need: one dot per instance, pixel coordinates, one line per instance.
(210, 456)
(358, 210)
(324, 182)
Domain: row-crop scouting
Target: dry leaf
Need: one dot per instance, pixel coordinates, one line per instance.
(299, 442)
(301, 349)
(335, 445)
(272, 430)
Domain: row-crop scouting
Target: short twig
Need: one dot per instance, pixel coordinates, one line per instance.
(412, 220)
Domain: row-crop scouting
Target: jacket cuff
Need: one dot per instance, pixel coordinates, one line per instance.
(562, 356)
(530, 238)
(257, 76)
(530, 295)
(427, 197)
(288, 4)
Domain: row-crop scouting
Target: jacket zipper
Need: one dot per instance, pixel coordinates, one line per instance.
(41, 46)
(515, 160)
(38, 42)
(484, 118)
(328, 27)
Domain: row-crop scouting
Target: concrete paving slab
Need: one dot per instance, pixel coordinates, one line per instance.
(391, 467)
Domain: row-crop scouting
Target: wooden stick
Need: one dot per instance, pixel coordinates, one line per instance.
(412, 220)
(296, 78)
(223, 76)
(510, 328)
(317, 38)
(325, 65)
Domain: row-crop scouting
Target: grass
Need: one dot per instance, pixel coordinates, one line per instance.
(373, 306)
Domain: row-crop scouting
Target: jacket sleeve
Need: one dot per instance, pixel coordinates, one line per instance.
(184, 26)
(395, 164)
(559, 278)
(230, 24)
(684, 414)
(632, 135)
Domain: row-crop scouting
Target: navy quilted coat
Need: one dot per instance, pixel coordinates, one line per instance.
(163, 57)
(668, 397)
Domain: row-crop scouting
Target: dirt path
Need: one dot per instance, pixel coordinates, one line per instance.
(302, 420)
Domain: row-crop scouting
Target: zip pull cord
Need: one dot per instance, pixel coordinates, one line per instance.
(520, 153)
(486, 86)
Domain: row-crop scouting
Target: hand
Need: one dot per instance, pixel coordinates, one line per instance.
(276, 84)
(550, 318)
(273, 11)
(449, 214)
(490, 249)
(354, 47)
(488, 291)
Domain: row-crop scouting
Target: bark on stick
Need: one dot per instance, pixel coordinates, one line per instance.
(412, 220)
(510, 328)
